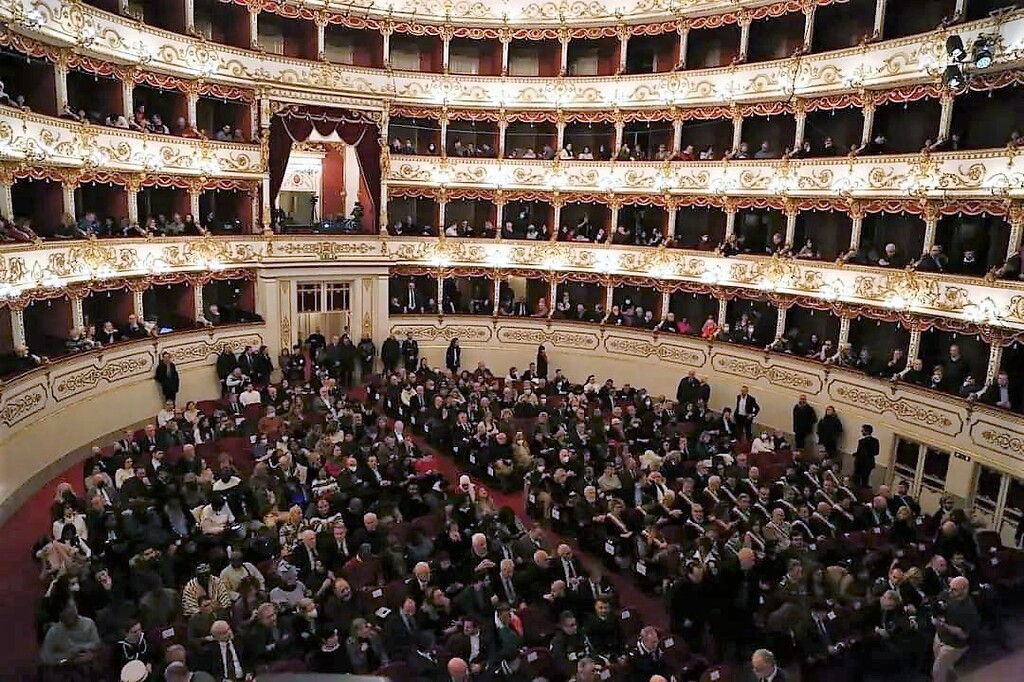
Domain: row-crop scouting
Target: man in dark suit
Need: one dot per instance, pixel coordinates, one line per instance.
(305, 555)
(765, 669)
(471, 645)
(401, 629)
(804, 419)
(864, 456)
(412, 303)
(410, 353)
(1001, 395)
(338, 550)
(687, 390)
(167, 377)
(745, 413)
(224, 657)
(247, 361)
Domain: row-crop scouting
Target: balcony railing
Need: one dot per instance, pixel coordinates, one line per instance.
(910, 61)
(30, 270)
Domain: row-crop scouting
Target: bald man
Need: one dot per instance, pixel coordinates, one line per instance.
(954, 629)
(458, 670)
(223, 657)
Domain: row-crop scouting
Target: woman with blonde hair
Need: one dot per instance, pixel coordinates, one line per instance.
(521, 452)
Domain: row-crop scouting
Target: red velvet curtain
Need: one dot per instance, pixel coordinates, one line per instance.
(355, 128)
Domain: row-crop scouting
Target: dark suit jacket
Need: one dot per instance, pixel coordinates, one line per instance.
(867, 450)
(752, 407)
(210, 660)
(458, 644)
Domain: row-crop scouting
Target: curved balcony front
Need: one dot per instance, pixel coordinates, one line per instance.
(971, 305)
(902, 62)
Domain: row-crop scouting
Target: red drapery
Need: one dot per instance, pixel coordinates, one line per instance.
(355, 128)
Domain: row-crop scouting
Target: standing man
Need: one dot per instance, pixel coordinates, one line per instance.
(453, 356)
(367, 352)
(411, 353)
(167, 377)
(954, 629)
(390, 353)
(804, 419)
(746, 411)
(864, 456)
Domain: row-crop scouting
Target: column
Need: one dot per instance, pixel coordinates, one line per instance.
(737, 129)
(193, 108)
(961, 9)
(254, 27)
(869, 118)
(879, 18)
(684, 44)
(556, 218)
(730, 218)
(499, 209)
(614, 205)
(670, 223)
(442, 206)
(744, 37)
(791, 215)
(563, 64)
(386, 30)
(132, 189)
(68, 198)
(60, 81)
(623, 31)
(552, 295)
(809, 27)
(128, 97)
(505, 36)
(844, 331)
(609, 299)
(559, 133)
(259, 224)
(931, 224)
(945, 115)
(496, 294)
(439, 297)
(193, 201)
(443, 120)
(666, 304)
(677, 131)
(18, 326)
(914, 347)
(995, 358)
(446, 47)
(197, 301)
(1015, 217)
(321, 47)
(502, 132)
(190, 16)
(138, 307)
(800, 115)
(6, 200)
(723, 311)
(77, 312)
(780, 322)
(620, 133)
(857, 224)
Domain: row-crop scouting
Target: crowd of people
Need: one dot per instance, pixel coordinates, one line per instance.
(91, 225)
(300, 523)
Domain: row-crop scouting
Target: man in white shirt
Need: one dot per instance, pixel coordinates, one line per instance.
(250, 396)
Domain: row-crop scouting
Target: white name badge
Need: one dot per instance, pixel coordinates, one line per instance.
(609, 548)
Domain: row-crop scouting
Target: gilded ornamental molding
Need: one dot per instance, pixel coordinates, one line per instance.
(914, 60)
(33, 140)
(34, 271)
(989, 174)
(991, 437)
(527, 16)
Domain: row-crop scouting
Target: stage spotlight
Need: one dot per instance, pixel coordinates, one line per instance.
(954, 77)
(983, 53)
(955, 48)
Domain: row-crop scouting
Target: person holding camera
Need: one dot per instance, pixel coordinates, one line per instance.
(956, 620)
